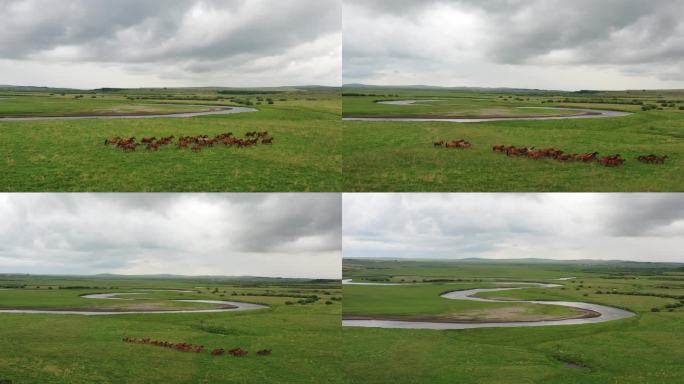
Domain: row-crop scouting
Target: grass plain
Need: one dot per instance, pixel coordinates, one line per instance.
(640, 349)
(49, 348)
(69, 155)
(399, 156)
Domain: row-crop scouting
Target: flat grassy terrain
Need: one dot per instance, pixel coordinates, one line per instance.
(423, 303)
(29, 104)
(644, 348)
(69, 155)
(399, 156)
(460, 107)
(44, 348)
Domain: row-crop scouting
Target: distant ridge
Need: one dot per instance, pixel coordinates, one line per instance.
(435, 87)
(616, 263)
(32, 88)
(171, 276)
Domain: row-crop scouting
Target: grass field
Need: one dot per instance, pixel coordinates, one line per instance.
(29, 104)
(399, 156)
(44, 348)
(422, 303)
(69, 155)
(461, 107)
(641, 349)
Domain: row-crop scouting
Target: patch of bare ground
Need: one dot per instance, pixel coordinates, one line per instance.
(497, 315)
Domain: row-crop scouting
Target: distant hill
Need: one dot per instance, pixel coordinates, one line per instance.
(438, 88)
(308, 88)
(27, 88)
(161, 276)
(579, 262)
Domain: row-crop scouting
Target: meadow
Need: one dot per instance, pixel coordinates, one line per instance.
(50, 348)
(643, 348)
(69, 155)
(399, 156)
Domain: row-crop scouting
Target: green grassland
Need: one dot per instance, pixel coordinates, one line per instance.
(44, 348)
(399, 156)
(27, 105)
(640, 349)
(458, 107)
(69, 155)
(422, 303)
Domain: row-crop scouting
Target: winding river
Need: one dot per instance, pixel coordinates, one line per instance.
(582, 113)
(235, 306)
(217, 111)
(605, 313)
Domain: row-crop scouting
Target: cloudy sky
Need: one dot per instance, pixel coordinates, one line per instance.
(638, 227)
(288, 235)
(549, 44)
(145, 43)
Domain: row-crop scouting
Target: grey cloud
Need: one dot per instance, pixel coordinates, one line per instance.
(175, 233)
(37, 26)
(641, 227)
(644, 215)
(179, 39)
(634, 38)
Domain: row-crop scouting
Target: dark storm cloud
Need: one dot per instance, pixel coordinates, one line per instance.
(257, 234)
(633, 38)
(645, 215)
(179, 38)
(34, 26)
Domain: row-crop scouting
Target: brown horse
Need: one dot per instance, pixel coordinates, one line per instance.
(586, 157)
(153, 146)
(238, 352)
(612, 161)
(112, 141)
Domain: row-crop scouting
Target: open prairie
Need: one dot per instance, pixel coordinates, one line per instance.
(298, 320)
(389, 154)
(57, 154)
(642, 346)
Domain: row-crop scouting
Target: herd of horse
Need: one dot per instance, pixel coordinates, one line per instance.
(187, 347)
(559, 155)
(553, 153)
(239, 352)
(195, 143)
